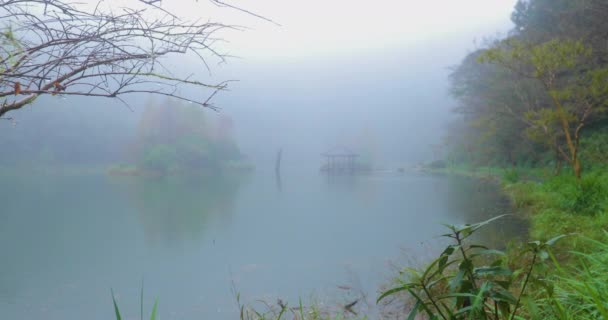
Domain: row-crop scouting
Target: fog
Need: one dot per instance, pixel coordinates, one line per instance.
(386, 90)
(154, 188)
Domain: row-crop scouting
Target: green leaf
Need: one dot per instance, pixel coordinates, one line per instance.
(492, 271)
(552, 241)
(456, 281)
(503, 295)
(466, 265)
(411, 271)
(456, 295)
(414, 311)
(478, 301)
(153, 315)
(478, 246)
(503, 283)
(504, 307)
(393, 291)
(484, 223)
(115, 306)
(534, 245)
(543, 255)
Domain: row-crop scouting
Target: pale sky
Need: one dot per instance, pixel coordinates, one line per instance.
(312, 28)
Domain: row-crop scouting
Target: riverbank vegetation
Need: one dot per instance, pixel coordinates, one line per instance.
(533, 109)
(533, 115)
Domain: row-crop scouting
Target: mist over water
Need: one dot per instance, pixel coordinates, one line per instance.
(192, 242)
(80, 218)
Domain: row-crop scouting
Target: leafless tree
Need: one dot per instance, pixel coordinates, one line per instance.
(56, 47)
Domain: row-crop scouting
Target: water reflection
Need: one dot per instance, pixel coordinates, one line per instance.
(477, 200)
(174, 209)
(68, 239)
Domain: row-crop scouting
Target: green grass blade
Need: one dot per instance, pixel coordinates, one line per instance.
(118, 317)
(153, 315)
(141, 301)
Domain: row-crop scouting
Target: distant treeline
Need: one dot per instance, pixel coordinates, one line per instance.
(160, 136)
(539, 96)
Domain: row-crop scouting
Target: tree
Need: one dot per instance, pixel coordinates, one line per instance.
(541, 90)
(575, 89)
(176, 138)
(54, 47)
(491, 100)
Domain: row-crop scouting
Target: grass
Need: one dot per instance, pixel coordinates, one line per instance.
(576, 282)
(282, 310)
(141, 310)
(579, 288)
(553, 204)
(560, 205)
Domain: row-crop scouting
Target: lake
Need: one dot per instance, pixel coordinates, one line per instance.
(68, 239)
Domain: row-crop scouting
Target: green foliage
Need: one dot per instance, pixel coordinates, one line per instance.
(177, 138)
(117, 310)
(578, 288)
(511, 175)
(471, 281)
(594, 148)
(543, 61)
(158, 158)
(561, 205)
(587, 196)
(547, 80)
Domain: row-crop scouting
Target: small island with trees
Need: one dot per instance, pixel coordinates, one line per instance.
(176, 138)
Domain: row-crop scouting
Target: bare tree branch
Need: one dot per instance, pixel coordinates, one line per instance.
(61, 48)
(225, 4)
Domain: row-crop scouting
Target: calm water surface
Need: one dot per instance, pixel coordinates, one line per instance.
(66, 240)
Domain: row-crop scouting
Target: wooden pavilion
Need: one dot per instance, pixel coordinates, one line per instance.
(339, 160)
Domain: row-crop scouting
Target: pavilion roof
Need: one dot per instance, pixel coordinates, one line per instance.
(339, 151)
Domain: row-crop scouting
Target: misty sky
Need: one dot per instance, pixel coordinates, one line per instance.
(336, 72)
(321, 28)
(351, 73)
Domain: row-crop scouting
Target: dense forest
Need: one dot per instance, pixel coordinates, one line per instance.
(537, 97)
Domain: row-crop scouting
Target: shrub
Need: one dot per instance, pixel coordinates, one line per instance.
(469, 281)
(587, 196)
